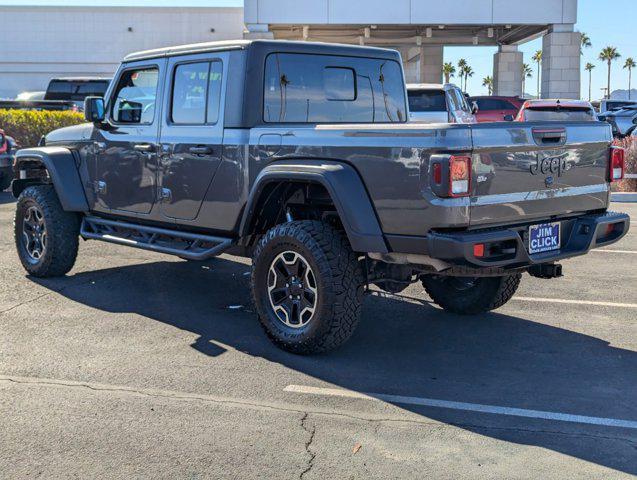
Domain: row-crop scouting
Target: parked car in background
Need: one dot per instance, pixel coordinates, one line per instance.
(8, 148)
(437, 103)
(30, 96)
(622, 121)
(37, 105)
(497, 109)
(610, 105)
(556, 110)
(76, 89)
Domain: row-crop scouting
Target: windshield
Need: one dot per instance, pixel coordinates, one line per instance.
(563, 114)
(427, 101)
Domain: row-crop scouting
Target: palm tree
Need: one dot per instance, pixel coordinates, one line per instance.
(589, 68)
(585, 42)
(608, 55)
(527, 72)
(488, 82)
(468, 72)
(449, 71)
(537, 58)
(462, 64)
(630, 64)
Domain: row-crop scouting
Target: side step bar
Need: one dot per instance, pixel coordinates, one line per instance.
(191, 246)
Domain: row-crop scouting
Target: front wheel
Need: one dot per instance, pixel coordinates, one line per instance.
(471, 295)
(46, 236)
(307, 287)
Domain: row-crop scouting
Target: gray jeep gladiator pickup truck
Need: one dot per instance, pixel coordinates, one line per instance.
(300, 156)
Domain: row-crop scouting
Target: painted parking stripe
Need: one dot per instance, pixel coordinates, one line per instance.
(575, 302)
(615, 251)
(468, 407)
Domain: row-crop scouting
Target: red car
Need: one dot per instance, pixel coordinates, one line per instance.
(497, 109)
(556, 110)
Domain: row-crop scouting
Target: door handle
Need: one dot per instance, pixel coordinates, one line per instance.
(201, 150)
(144, 148)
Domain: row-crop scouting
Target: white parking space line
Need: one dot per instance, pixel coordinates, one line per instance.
(575, 302)
(615, 251)
(468, 407)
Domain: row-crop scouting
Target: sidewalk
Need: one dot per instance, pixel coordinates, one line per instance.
(622, 197)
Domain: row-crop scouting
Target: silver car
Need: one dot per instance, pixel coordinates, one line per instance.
(438, 103)
(622, 121)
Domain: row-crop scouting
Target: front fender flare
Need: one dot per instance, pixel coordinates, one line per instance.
(62, 168)
(344, 186)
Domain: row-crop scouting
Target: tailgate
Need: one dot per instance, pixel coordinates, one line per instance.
(531, 171)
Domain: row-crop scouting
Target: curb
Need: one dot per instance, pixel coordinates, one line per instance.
(623, 197)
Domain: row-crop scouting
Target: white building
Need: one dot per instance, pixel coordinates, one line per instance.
(43, 42)
(421, 28)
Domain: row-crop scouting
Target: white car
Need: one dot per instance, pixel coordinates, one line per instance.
(438, 103)
(607, 105)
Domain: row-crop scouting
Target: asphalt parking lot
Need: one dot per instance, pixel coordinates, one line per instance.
(141, 365)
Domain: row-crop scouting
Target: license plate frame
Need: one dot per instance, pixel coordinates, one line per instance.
(544, 237)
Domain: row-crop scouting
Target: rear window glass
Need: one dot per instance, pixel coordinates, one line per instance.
(306, 88)
(427, 101)
(75, 90)
(563, 114)
(487, 104)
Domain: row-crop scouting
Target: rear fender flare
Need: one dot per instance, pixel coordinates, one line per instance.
(345, 188)
(61, 166)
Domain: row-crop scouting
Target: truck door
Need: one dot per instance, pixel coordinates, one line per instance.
(126, 148)
(192, 132)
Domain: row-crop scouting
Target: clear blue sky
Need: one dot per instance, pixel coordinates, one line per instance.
(607, 22)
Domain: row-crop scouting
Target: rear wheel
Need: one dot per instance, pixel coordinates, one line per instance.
(471, 295)
(46, 236)
(307, 287)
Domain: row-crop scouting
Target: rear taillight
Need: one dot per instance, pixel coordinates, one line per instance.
(459, 176)
(616, 171)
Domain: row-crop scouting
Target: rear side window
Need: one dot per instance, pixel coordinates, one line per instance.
(459, 100)
(427, 101)
(196, 93)
(305, 88)
(135, 96)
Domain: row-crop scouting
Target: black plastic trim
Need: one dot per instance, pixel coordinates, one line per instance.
(345, 188)
(61, 165)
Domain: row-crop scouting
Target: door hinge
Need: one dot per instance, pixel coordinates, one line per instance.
(99, 186)
(98, 147)
(165, 194)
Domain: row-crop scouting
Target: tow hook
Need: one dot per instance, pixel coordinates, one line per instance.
(546, 270)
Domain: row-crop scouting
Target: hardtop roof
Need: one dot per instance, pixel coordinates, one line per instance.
(301, 47)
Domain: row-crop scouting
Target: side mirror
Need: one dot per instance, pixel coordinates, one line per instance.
(94, 109)
(474, 107)
(508, 118)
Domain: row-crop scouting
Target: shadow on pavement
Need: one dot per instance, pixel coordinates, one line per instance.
(6, 197)
(403, 348)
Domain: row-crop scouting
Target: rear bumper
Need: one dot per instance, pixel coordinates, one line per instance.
(579, 236)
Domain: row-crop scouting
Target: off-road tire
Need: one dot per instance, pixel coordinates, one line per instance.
(488, 293)
(339, 285)
(62, 233)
